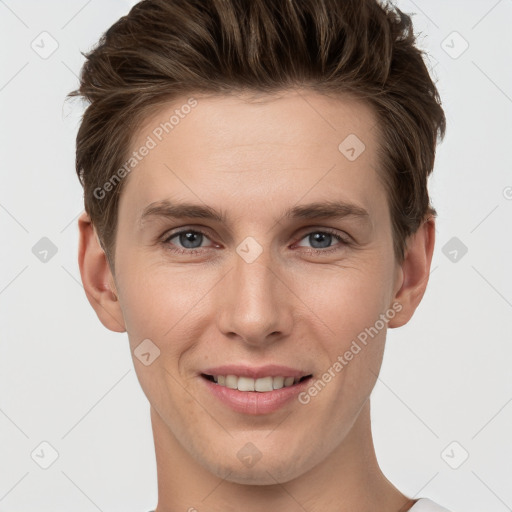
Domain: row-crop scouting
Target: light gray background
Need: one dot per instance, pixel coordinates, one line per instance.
(66, 380)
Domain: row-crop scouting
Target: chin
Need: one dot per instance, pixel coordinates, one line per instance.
(259, 476)
(266, 470)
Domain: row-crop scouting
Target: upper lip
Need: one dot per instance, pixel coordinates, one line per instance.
(271, 370)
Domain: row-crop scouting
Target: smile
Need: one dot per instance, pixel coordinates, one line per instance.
(261, 385)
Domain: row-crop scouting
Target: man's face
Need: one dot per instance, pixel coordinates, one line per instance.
(259, 287)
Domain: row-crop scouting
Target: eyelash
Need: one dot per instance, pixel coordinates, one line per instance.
(344, 241)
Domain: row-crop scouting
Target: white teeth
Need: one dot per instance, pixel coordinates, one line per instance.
(278, 382)
(262, 385)
(288, 381)
(245, 384)
(231, 381)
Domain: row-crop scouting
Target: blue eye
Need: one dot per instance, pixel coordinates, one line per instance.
(323, 239)
(192, 241)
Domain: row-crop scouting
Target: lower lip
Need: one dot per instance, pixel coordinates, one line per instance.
(255, 402)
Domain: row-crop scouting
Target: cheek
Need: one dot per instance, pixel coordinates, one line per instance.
(347, 299)
(349, 303)
(157, 301)
(161, 304)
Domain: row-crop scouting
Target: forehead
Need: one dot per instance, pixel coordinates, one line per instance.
(256, 152)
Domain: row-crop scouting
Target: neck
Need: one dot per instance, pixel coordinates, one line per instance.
(349, 479)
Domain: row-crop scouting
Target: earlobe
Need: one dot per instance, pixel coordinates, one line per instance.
(97, 277)
(414, 272)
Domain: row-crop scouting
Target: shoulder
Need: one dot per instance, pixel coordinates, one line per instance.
(426, 505)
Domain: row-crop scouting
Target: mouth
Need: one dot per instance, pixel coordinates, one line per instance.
(255, 391)
(259, 385)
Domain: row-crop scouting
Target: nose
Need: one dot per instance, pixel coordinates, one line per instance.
(256, 304)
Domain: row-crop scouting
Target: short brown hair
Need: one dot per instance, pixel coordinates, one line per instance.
(167, 48)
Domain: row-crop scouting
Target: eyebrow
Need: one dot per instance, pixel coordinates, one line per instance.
(317, 210)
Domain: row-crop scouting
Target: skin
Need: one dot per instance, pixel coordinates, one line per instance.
(253, 160)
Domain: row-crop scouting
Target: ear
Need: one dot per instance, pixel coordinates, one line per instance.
(413, 274)
(97, 277)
